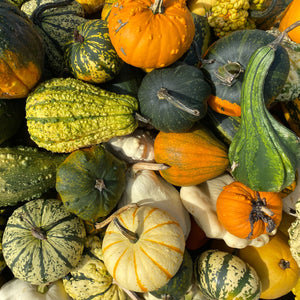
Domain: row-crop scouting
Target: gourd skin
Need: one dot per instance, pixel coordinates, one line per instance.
(65, 114)
(26, 173)
(37, 259)
(90, 182)
(161, 38)
(22, 53)
(264, 154)
(90, 55)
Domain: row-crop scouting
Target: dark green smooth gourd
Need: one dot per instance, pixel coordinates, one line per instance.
(264, 154)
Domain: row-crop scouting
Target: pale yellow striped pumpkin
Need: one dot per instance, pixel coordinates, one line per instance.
(153, 258)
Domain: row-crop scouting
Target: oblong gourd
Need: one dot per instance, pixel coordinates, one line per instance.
(264, 154)
(65, 114)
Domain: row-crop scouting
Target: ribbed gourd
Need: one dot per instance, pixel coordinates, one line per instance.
(264, 154)
(26, 173)
(42, 241)
(65, 114)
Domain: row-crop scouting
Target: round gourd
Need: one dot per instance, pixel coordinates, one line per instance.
(90, 182)
(42, 241)
(151, 252)
(193, 156)
(171, 103)
(89, 55)
(246, 213)
(21, 53)
(151, 33)
(229, 58)
(274, 265)
(221, 275)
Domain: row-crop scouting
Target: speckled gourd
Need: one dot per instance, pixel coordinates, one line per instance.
(26, 173)
(65, 114)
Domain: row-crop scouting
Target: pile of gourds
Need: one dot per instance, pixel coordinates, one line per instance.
(149, 149)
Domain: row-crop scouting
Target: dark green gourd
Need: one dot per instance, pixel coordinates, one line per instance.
(264, 154)
(26, 173)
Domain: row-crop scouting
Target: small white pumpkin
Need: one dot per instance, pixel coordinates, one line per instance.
(145, 187)
(143, 248)
(200, 201)
(17, 289)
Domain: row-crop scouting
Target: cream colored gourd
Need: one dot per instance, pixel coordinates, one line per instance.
(200, 200)
(19, 289)
(146, 187)
(147, 253)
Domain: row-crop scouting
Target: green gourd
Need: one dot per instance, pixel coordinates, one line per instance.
(264, 154)
(90, 182)
(65, 114)
(26, 173)
(42, 241)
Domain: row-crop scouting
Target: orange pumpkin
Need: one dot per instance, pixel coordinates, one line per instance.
(290, 16)
(151, 33)
(193, 156)
(246, 213)
(274, 264)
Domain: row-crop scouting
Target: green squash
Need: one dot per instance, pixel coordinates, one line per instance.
(221, 275)
(179, 284)
(174, 98)
(264, 154)
(42, 241)
(227, 60)
(26, 173)
(90, 182)
(65, 114)
(89, 55)
(56, 21)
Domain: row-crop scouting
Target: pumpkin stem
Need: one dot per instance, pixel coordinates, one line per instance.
(42, 288)
(132, 236)
(229, 72)
(284, 264)
(157, 7)
(35, 231)
(148, 166)
(260, 211)
(257, 14)
(100, 225)
(100, 185)
(78, 37)
(163, 94)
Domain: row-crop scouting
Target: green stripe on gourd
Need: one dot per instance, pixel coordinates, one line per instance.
(90, 55)
(65, 114)
(221, 275)
(42, 241)
(264, 154)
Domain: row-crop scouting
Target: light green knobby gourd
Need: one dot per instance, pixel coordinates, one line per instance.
(264, 154)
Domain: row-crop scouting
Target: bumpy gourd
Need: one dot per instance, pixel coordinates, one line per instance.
(26, 173)
(65, 114)
(264, 154)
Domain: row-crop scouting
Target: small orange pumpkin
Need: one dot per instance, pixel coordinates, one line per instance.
(151, 33)
(246, 213)
(290, 16)
(193, 156)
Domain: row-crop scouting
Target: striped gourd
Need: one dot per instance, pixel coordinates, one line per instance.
(143, 248)
(26, 173)
(89, 55)
(42, 241)
(56, 21)
(221, 275)
(90, 279)
(264, 154)
(64, 114)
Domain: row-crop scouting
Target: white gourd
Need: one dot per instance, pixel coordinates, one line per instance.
(145, 187)
(200, 201)
(17, 289)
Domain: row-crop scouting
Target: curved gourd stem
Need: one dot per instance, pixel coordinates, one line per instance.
(163, 94)
(35, 231)
(229, 72)
(130, 235)
(136, 167)
(157, 7)
(257, 14)
(36, 15)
